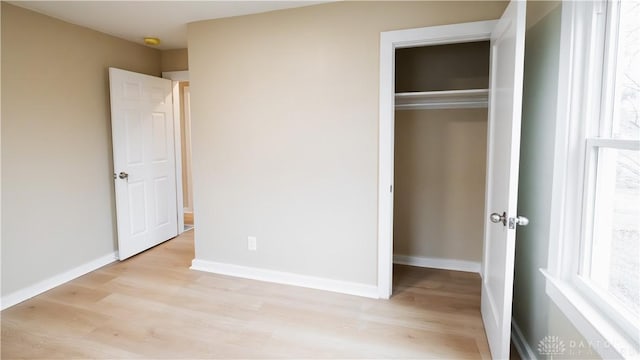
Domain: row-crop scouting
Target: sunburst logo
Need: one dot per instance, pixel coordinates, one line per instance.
(551, 345)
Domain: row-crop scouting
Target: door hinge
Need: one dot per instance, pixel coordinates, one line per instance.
(390, 188)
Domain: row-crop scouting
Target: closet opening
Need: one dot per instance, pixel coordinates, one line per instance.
(439, 162)
(503, 99)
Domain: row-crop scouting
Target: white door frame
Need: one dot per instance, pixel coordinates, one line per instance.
(186, 98)
(176, 77)
(389, 41)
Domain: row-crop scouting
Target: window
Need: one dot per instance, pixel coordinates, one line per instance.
(610, 251)
(594, 262)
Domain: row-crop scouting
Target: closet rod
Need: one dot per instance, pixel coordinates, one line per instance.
(446, 99)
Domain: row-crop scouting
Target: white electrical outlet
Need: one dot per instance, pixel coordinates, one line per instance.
(252, 243)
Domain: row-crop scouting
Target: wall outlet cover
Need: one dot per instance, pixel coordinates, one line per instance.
(252, 243)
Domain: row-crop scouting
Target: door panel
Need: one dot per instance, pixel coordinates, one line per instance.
(159, 138)
(505, 105)
(143, 151)
(162, 206)
(137, 201)
(134, 142)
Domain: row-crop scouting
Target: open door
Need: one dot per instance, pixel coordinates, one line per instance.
(503, 151)
(142, 130)
(505, 107)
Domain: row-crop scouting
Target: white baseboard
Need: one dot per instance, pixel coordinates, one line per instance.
(520, 343)
(436, 263)
(345, 287)
(57, 280)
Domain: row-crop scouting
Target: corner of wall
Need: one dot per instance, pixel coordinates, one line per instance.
(44, 133)
(174, 60)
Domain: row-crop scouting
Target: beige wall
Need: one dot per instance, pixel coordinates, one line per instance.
(285, 132)
(539, 9)
(57, 187)
(440, 161)
(175, 60)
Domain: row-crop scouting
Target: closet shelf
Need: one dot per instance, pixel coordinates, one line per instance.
(448, 99)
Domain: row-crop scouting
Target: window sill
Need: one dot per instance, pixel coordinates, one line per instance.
(601, 334)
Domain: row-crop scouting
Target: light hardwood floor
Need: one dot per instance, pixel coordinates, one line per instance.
(153, 306)
(188, 218)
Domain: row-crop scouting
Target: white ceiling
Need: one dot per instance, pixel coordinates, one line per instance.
(167, 20)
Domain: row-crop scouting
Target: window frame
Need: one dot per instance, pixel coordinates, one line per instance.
(585, 88)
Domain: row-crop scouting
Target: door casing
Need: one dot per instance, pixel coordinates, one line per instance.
(176, 77)
(389, 41)
(503, 140)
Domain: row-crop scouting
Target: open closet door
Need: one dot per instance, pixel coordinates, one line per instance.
(505, 107)
(143, 159)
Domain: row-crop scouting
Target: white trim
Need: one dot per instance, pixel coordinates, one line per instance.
(177, 143)
(614, 143)
(438, 263)
(57, 280)
(186, 96)
(389, 41)
(286, 278)
(520, 343)
(565, 170)
(572, 203)
(589, 320)
(385, 166)
(442, 34)
(176, 75)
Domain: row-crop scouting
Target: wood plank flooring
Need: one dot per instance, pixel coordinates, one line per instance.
(152, 306)
(188, 218)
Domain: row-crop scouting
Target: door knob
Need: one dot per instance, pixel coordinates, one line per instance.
(123, 175)
(497, 218)
(518, 220)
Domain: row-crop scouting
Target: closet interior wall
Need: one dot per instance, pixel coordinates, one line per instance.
(440, 156)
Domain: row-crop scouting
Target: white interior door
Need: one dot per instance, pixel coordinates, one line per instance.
(144, 160)
(505, 107)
